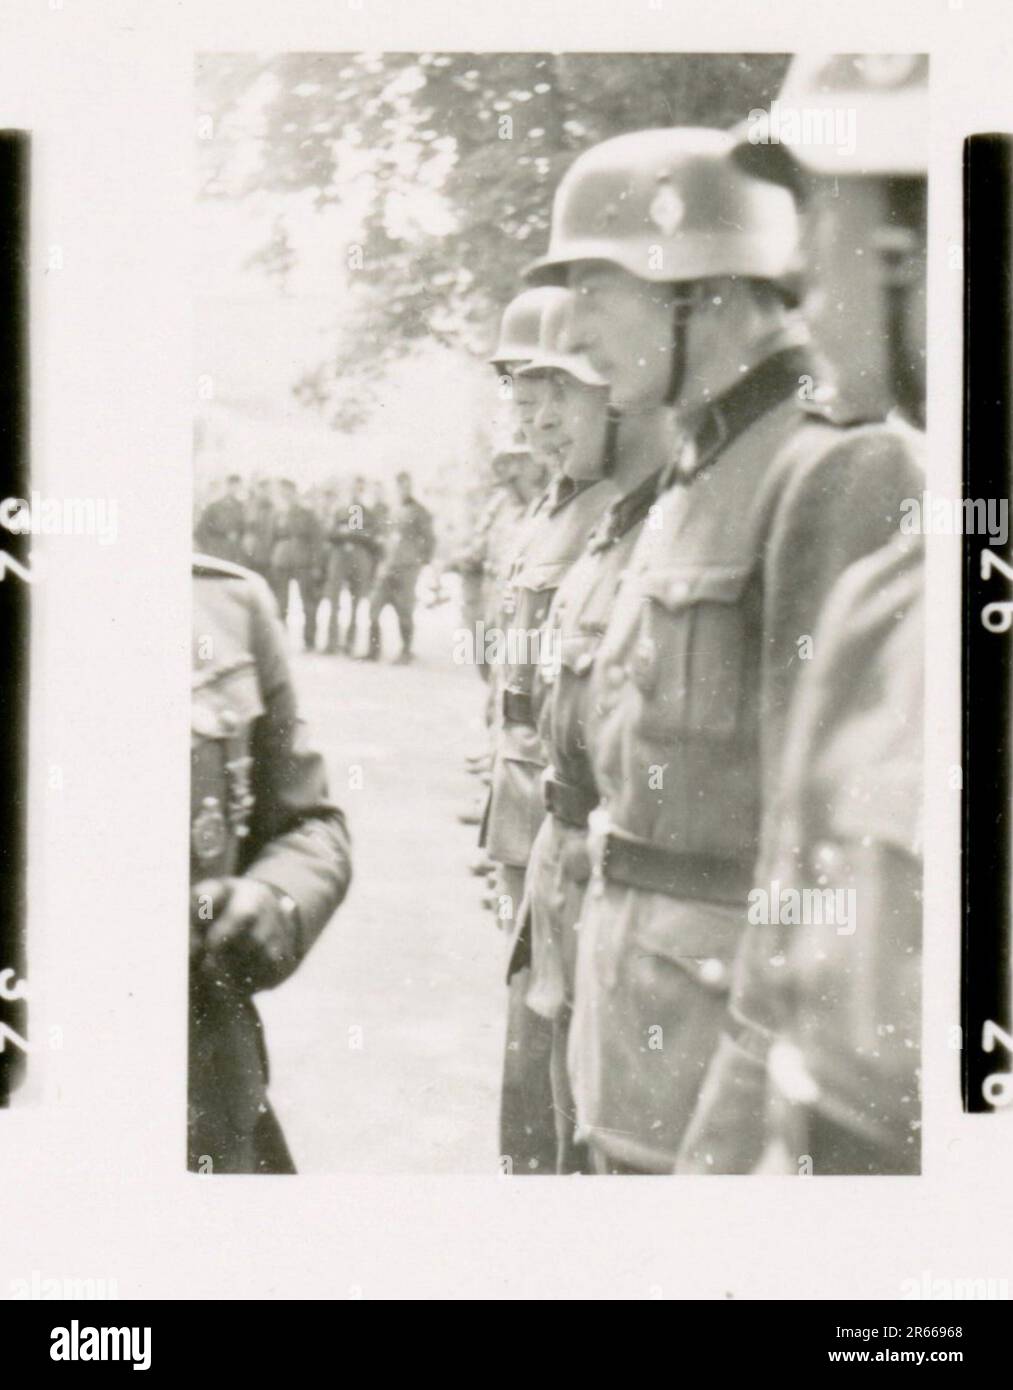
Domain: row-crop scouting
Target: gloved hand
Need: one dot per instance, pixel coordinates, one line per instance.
(244, 935)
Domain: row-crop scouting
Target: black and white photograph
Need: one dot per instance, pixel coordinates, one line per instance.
(506, 596)
(567, 411)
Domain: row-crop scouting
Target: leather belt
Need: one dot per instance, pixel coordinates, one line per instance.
(635, 863)
(518, 707)
(568, 802)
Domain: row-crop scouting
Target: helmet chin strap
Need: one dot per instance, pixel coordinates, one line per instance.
(610, 450)
(685, 301)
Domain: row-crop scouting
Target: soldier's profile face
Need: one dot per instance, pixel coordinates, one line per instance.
(572, 420)
(529, 393)
(624, 326)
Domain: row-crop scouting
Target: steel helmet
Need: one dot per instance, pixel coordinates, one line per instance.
(555, 351)
(670, 205)
(521, 323)
(850, 113)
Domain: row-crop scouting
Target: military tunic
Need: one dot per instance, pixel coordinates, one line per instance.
(551, 541)
(827, 1014)
(485, 563)
(691, 690)
(259, 808)
(552, 537)
(558, 872)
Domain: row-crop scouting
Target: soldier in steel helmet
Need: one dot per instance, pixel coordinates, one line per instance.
(516, 340)
(569, 423)
(636, 449)
(269, 863)
(684, 265)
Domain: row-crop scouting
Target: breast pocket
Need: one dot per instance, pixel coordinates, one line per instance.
(575, 658)
(689, 657)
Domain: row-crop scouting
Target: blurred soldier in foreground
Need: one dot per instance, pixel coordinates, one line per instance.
(269, 863)
(410, 546)
(351, 564)
(824, 1053)
(297, 557)
(571, 422)
(866, 214)
(684, 266)
(222, 523)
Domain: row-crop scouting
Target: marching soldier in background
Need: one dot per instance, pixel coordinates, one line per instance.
(570, 422)
(297, 557)
(684, 266)
(222, 523)
(828, 1051)
(480, 563)
(259, 529)
(410, 546)
(351, 563)
(269, 863)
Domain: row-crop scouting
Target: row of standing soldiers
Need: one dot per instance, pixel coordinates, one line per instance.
(325, 549)
(715, 713)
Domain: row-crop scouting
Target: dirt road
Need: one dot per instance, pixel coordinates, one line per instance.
(386, 1046)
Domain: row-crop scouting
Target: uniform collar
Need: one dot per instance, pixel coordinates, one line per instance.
(625, 513)
(563, 490)
(716, 426)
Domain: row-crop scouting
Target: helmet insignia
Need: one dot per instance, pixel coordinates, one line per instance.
(667, 209)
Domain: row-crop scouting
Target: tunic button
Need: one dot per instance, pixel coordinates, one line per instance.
(583, 663)
(827, 859)
(228, 721)
(678, 590)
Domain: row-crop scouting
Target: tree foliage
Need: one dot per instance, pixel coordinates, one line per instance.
(455, 157)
